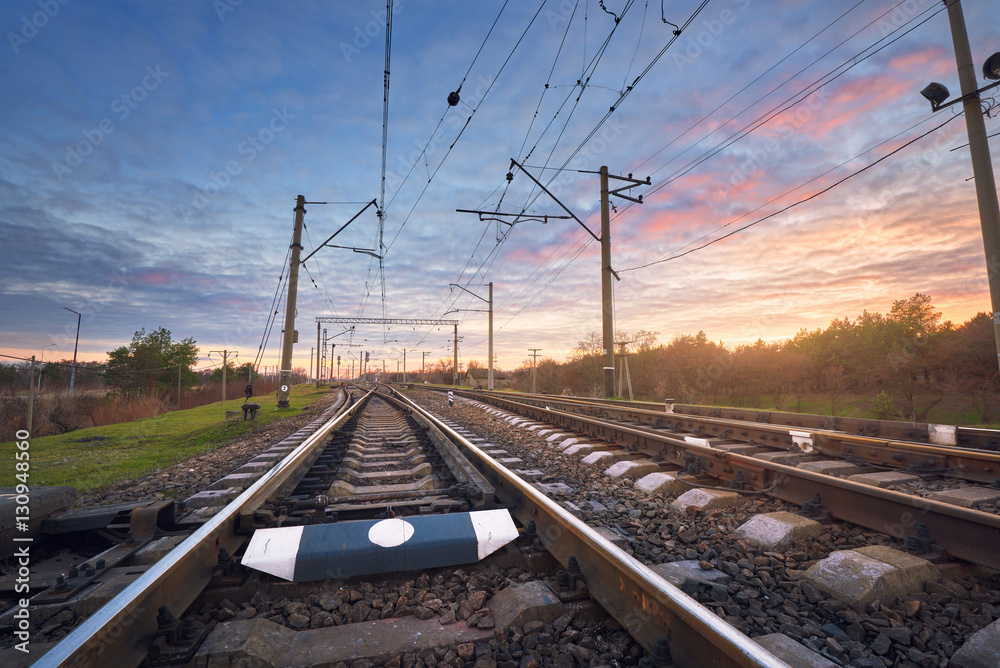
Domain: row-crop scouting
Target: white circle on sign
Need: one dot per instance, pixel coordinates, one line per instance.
(390, 533)
(284, 388)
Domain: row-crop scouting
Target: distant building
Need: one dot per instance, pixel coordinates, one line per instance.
(479, 379)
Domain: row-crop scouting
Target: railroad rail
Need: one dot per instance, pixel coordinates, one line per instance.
(652, 610)
(121, 632)
(964, 533)
(645, 604)
(971, 464)
(964, 437)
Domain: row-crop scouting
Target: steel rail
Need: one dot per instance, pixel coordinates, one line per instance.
(970, 464)
(656, 406)
(963, 437)
(119, 634)
(645, 604)
(964, 533)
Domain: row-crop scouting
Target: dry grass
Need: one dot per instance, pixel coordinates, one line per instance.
(61, 413)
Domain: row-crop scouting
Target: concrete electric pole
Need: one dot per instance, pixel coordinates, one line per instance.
(534, 365)
(607, 305)
(225, 357)
(982, 166)
(285, 377)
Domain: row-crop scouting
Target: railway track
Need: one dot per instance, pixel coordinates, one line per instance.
(379, 464)
(799, 467)
(624, 453)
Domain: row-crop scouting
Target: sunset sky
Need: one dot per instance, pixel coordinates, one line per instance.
(152, 152)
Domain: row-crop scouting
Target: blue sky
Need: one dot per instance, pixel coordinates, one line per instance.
(152, 153)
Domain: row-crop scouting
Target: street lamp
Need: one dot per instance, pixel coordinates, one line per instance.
(982, 167)
(72, 377)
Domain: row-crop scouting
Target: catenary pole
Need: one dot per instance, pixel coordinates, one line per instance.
(72, 378)
(607, 313)
(982, 167)
(285, 372)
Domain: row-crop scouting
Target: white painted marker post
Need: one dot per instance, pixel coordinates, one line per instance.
(367, 547)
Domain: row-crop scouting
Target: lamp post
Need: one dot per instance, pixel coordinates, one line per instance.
(72, 377)
(982, 167)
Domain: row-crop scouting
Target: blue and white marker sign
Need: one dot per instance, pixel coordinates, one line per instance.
(367, 547)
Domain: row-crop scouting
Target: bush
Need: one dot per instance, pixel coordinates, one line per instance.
(883, 407)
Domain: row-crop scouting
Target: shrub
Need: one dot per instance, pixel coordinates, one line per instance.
(883, 407)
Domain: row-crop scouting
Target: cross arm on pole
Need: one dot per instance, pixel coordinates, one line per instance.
(364, 251)
(456, 285)
(632, 183)
(342, 227)
(510, 177)
(519, 217)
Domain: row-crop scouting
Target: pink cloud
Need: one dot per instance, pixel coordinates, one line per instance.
(156, 277)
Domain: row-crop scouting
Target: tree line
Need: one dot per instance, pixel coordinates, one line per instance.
(905, 364)
(151, 375)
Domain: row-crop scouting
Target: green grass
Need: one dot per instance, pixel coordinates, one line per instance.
(89, 459)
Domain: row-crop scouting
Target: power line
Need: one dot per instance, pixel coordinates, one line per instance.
(794, 204)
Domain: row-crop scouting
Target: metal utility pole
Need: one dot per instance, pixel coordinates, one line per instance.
(455, 359)
(285, 379)
(982, 167)
(624, 376)
(317, 352)
(404, 365)
(72, 378)
(423, 373)
(489, 303)
(534, 365)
